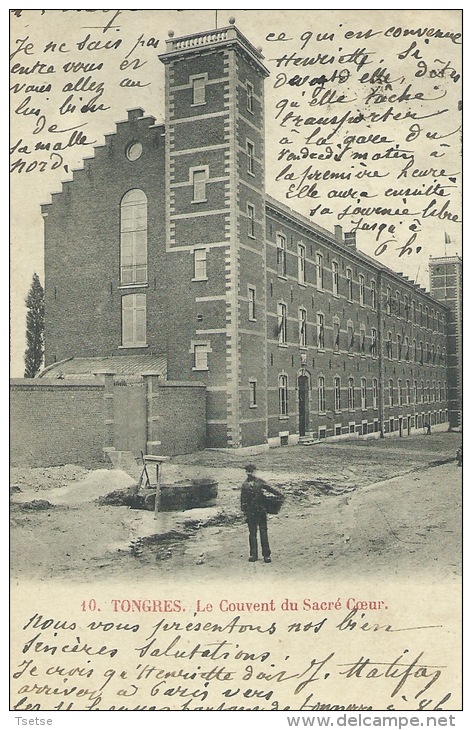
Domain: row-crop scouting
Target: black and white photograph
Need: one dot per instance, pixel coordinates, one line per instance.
(236, 401)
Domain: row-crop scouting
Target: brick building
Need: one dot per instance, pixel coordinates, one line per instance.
(167, 246)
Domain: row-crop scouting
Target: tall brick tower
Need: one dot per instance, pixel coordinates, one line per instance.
(215, 228)
(445, 274)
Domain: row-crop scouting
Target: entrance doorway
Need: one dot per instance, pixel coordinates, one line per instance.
(303, 405)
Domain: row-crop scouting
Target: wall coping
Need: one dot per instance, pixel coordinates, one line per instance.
(35, 383)
(180, 384)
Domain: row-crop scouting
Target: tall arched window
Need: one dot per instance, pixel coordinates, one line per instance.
(337, 393)
(350, 394)
(133, 238)
(363, 394)
(375, 393)
(321, 394)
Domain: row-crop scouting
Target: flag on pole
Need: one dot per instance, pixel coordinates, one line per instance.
(447, 239)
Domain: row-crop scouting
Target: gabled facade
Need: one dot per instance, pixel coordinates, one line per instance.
(167, 244)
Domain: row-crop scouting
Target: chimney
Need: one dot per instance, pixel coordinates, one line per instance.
(134, 114)
(350, 239)
(338, 233)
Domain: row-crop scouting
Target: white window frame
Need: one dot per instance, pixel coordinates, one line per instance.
(251, 220)
(373, 294)
(282, 322)
(199, 91)
(133, 238)
(301, 251)
(200, 264)
(200, 352)
(349, 281)
(319, 271)
(199, 186)
(375, 393)
(337, 393)
(335, 276)
(406, 307)
(302, 327)
(320, 330)
(251, 156)
(362, 290)
(250, 97)
(251, 297)
(350, 337)
(374, 343)
(130, 327)
(283, 395)
(281, 241)
(253, 393)
(351, 394)
(321, 394)
(397, 304)
(363, 394)
(336, 339)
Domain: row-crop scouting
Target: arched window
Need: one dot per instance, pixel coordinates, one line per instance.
(321, 394)
(337, 393)
(375, 393)
(350, 394)
(133, 238)
(363, 394)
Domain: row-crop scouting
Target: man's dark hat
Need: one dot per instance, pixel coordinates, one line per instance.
(250, 468)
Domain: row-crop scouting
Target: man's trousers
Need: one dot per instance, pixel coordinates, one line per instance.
(255, 522)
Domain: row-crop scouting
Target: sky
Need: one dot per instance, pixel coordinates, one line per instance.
(325, 66)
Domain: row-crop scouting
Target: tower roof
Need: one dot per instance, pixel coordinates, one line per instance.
(209, 39)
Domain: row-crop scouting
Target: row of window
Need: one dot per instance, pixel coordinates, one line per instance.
(134, 328)
(281, 332)
(320, 273)
(402, 394)
(421, 316)
(424, 354)
(134, 269)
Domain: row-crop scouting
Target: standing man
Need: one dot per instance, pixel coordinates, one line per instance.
(252, 505)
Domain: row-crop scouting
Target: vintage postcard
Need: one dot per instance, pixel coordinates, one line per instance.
(236, 392)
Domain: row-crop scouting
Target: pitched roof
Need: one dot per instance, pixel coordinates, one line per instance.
(121, 364)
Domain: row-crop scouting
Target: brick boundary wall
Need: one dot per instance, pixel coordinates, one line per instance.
(62, 421)
(54, 423)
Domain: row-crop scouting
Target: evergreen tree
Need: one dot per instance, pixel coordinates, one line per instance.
(34, 328)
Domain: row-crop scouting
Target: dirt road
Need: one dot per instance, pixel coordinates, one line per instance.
(344, 516)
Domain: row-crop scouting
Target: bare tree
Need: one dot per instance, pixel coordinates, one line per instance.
(34, 328)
